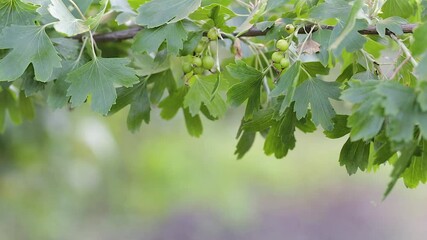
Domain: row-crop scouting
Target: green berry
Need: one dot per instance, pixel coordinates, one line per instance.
(186, 67)
(197, 61)
(282, 45)
(277, 66)
(284, 62)
(208, 62)
(205, 39)
(199, 70)
(212, 34)
(199, 48)
(290, 28)
(277, 57)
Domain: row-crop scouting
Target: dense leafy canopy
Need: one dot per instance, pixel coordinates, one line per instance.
(354, 68)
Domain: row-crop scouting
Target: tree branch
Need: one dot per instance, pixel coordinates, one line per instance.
(253, 32)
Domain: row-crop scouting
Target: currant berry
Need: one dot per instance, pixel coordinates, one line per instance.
(282, 45)
(289, 28)
(277, 57)
(199, 70)
(284, 62)
(208, 62)
(186, 67)
(199, 48)
(197, 61)
(212, 34)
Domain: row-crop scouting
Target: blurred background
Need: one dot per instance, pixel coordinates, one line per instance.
(78, 175)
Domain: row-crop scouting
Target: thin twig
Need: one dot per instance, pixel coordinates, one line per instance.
(405, 50)
(397, 70)
(253, 32)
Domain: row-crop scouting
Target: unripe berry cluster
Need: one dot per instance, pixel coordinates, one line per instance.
(279, 57)
(201, 60)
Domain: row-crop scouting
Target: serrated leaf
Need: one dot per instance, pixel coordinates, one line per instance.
(340, 127)
(67, 23)
(159, 12)
(29, 85)
(392, 23)
(287, 84)
(215, 15)
(149, 40)
(339, 9)
(125, 10)
(98, 79)
(244, 144)
(349, 38)
(193, 124)
(261, 120)
(202, 91)
(281, 138)
(399, 8)
(317, 92)
(16, 12)
(354, 156)
(417, 170)
(401, 165)
(247, 89)
(172, 103)
(420, 38)
(21, 40)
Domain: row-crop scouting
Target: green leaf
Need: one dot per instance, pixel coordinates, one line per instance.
(247, 89)
(349, 39)
(16, 12)
(215, 15)
(404, 9)
(261, 120)
(171, 104)
(339, 9)
(193, 123)
(392, 23)
(317, 92)
(162, 81)
(159, 12)
(401, 165)
(137, 97)
(125, 10)
(417, 170)
(98, 79)
(149, 40)
(367, 117)
(67, 23)
(340, 127)
(203, 91)
(29, 85)
(287, 85)
(281, 136)
(22, 40)
(354, 156)
(245, 143)
(420, 38)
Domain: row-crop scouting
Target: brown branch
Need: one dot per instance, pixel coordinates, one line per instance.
(253, 32)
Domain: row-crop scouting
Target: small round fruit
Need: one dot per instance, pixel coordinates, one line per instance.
(277, 66)
(284, 62)
(186, 67)
(197, 61)
(290, 28)
(192, 80)
(199, 70)
(199, 48)
(212, 34)
(282, 45)
(204, 39)
(277, 57)
(208, 62)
